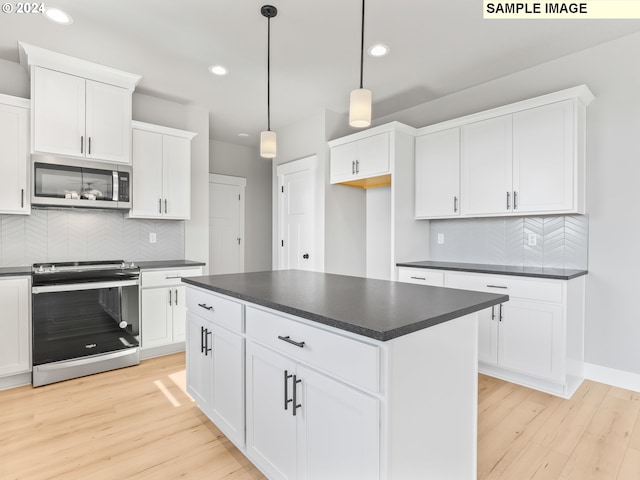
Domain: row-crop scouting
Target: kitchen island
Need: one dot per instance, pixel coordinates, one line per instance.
(319, 376)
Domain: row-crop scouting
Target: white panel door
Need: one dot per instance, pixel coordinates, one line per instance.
(531, 339)
(199, 363)
(486, 167)
(59, 113)
(147, 174)
(271, 429)
(176, 181)
(156, 325)
(438, 174)
(15, 342)
(297, 220)
(178, 313)
(108, 122)
(338, 430)
(543, 152)
(226, 245)
(14, 137)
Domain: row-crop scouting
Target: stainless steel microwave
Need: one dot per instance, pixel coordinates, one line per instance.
(69, 182)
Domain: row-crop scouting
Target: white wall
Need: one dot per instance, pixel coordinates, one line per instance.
(171, 114)
(240, 161)
(612, 337)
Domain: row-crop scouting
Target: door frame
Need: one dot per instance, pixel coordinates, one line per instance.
(240, 182)
(306, 163)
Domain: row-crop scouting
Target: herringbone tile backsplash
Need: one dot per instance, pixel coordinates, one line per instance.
(79, 235)
(560, 241)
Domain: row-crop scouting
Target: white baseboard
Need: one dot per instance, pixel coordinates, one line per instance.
(612, 376)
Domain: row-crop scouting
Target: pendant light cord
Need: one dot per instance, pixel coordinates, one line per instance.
(268, 73)
(362, 46)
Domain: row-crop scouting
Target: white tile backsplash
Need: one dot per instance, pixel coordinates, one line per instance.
(75, 235)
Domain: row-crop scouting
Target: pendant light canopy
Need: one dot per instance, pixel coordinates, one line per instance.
(360, 102)
(268, 137)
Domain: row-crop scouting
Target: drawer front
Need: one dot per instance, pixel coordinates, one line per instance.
(517, 287)
(357, 363)
(215, 308)
(166, 278)
(421, 276)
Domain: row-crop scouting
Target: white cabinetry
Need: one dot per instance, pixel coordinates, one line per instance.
(421, 276)
(163, 308)
(161, 172)
(521, 159)
(360, 158)
(535, 338)
(215, 361)
(438, 174)
(15, 339)
(14, 148)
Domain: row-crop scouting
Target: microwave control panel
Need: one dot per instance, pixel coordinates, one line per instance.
(123, 187)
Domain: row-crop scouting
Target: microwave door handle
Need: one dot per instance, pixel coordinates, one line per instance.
(116, 185)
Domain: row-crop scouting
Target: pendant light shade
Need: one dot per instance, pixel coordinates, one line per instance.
(360, 103)
(267, 137)
(268, 144)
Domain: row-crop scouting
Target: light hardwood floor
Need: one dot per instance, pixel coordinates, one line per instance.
(138, 423)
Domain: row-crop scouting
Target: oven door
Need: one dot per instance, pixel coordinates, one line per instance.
(88, 319)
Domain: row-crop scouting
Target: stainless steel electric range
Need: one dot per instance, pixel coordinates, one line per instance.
(85, 319)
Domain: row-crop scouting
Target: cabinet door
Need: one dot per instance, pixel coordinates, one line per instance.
(147, 174)
(271, 430)
(421, 276)
(179, 313)
(108, 122)
(228, 384)
(343, 159)
(14, 136)
(58, 109)
(531, 339)
(176, 181)
(486, 167)
(156, 324)
(14, 326)
(338, 430)
(438, 174)
(543, 158)
(373, 156)
(488, 322)
(199, 363)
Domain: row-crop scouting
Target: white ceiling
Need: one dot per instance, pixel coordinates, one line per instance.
(437, 47)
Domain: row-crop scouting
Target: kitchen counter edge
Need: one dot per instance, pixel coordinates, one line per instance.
(535, 272)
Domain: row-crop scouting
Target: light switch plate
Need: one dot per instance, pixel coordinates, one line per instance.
(533, 239)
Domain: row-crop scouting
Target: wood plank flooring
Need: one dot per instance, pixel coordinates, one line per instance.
(138, 423)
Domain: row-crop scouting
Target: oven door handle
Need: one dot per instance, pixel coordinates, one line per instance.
(75, 287)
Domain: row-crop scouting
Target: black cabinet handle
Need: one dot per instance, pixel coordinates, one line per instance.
(81, 144)
(287, 400)
(206, 307)
(292, 342)
(170, 303)
(500, 318)
(296, 405)
(497, 286)
(455, 204)
(165, 205)
(176, 299)
(89, 146)
(202, 339)
(493, 312)
(508, 200)
(22, 198)
(419, 278)
(515, 200)
(160, 205)
(207, 348)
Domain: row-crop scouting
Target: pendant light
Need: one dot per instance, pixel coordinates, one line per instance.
(360, 104)
(268, 137)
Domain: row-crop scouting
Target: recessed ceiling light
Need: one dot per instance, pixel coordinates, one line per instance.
(378, 50)
(243, 135)
(58, 16)
(218, 70)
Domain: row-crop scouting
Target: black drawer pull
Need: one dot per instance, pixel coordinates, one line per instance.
(205, 306)
(497, 286)
(292, 342)
(419, 278)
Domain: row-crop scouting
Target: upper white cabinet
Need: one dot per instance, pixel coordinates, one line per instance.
(360, 159)
(79, 108)
(161, 172)
(14, 155)
(526, 158)
(438, 174)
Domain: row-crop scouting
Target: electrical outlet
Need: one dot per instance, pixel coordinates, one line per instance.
(152, 237)
(533, 239)
(440, 238)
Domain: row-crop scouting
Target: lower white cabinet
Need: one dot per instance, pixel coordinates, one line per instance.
(302, 424)
(163, 306)
(536, 338)
(215, 373)
(15, 341)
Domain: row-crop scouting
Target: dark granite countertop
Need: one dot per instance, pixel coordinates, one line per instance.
(15, 271)
(373, 308)
(169, 264)
(554, 273)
